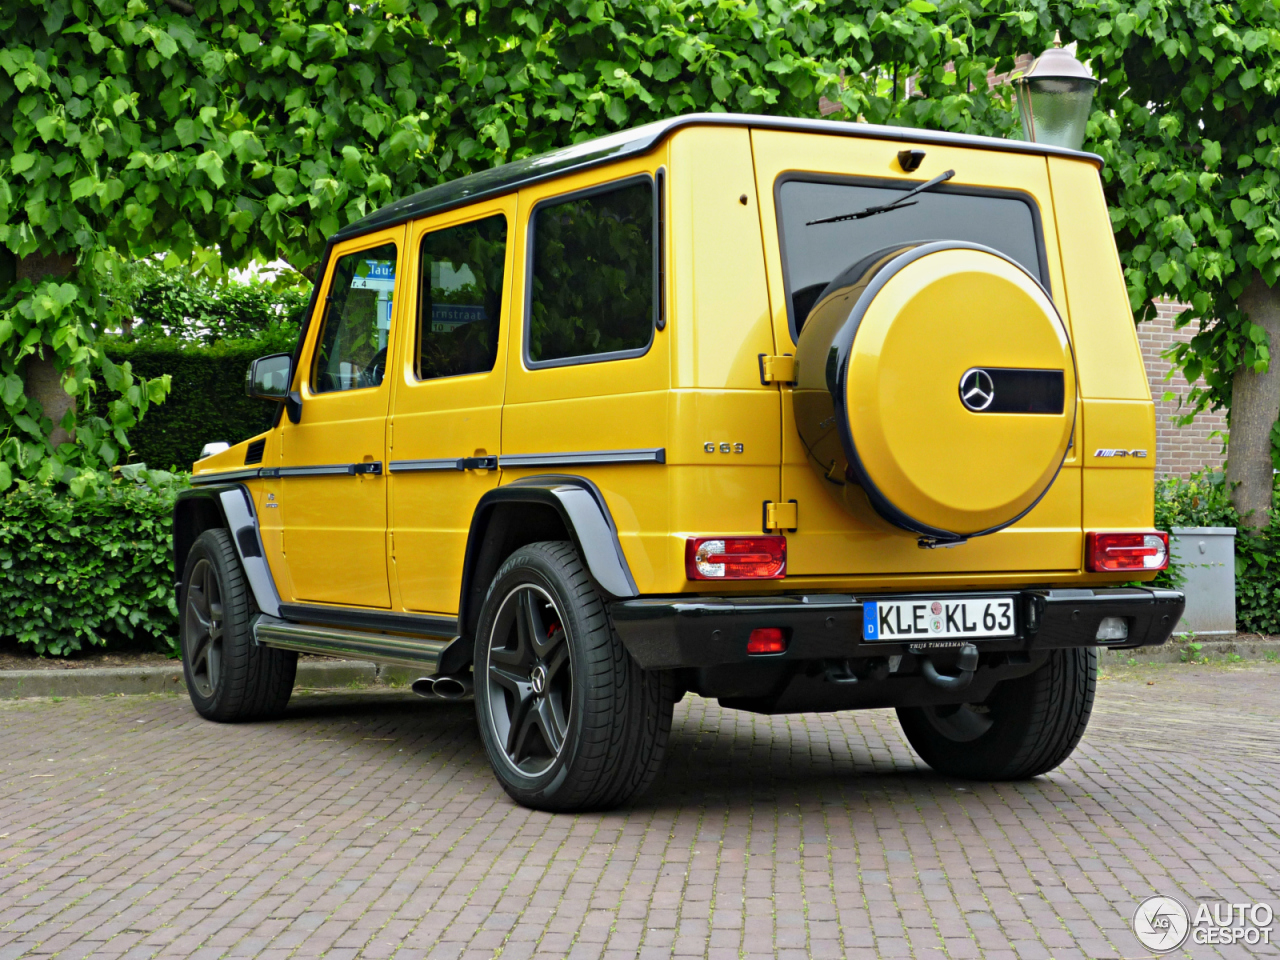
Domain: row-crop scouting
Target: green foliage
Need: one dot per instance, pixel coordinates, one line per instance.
(1188, 122)
(207, 402)
(1199, 501)
(167, 304)
(253, 129)
(1258, 576)
(84, 570)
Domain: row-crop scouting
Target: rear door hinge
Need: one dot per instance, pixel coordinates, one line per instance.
(781, 516)
(777, 369)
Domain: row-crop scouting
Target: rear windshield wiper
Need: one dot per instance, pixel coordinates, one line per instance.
(902, 201)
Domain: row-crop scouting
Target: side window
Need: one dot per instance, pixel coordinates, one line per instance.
(593, 290)
(461, 300)
(351, 353)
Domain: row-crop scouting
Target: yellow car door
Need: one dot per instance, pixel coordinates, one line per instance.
(446, 417)
(331, 467)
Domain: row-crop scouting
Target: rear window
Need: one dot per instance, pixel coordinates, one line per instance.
(813, 255)
(592, 281)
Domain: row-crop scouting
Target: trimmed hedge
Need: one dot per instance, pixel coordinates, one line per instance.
(206, 401)
(92, 570)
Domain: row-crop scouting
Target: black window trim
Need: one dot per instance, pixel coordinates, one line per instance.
(326, 302)
(892, 183)
(505, 294)
(658, 311)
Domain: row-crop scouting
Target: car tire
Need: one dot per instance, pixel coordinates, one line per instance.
(230, 678)
(569, 721)
(1025, 727)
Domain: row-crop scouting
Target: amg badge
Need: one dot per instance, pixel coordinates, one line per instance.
(1108, 452)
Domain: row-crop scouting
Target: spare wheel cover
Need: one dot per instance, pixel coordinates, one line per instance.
(955, 390)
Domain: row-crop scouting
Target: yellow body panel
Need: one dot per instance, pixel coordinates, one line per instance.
(1105, 340)
(730, 441)
(335, 536)
(445, 418)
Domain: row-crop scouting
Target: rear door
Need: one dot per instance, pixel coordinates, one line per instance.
(446, 418)
(1001, 200)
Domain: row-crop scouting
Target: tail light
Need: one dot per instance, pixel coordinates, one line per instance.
(735, 558)
(1124, 552)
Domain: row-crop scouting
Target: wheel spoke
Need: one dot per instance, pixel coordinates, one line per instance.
(200, 617)
(513, 680)
(557, 661)
(550, 724)
(215, 621)
(532, 628)
(199, 659)
(522, 720)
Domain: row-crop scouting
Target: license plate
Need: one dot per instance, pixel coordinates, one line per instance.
(910, 620)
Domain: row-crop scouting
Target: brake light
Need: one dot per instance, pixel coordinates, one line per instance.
(735, 558)
(766, 640)
(1120, 552)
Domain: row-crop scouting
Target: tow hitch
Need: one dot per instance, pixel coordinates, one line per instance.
(967, 664)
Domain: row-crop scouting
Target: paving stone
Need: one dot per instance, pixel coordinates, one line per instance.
(366, 824)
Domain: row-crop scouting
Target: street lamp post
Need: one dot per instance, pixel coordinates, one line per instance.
(1055, 97)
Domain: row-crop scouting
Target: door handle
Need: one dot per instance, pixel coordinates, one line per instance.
(478, 463)
(374, 468)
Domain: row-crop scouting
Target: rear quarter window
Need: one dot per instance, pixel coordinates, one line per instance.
(812, 255)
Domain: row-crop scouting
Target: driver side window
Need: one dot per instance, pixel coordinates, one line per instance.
(351, 353)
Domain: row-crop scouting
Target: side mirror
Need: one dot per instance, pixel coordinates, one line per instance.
(269, 377)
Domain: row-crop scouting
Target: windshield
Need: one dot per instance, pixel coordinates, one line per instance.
(813, 254)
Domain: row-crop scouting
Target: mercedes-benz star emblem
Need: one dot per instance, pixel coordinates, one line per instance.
(976, 389)
(539, 679)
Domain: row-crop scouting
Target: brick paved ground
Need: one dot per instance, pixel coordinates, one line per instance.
(367, 824)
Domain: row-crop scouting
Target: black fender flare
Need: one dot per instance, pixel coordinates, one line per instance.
(229, 506)
(581, 507)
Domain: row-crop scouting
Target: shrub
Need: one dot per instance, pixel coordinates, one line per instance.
(206, 399)
(1198, 501)
(87, 570)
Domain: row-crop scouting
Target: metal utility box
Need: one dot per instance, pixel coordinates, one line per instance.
(1208, 558)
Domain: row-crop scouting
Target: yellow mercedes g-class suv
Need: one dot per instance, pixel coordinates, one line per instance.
(799, 415)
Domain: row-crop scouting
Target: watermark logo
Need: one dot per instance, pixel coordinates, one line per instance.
(1161, 924)
(1222, 923)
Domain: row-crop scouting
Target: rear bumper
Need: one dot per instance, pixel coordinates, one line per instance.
(673, 632)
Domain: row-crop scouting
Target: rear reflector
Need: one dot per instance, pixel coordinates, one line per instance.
(766, 640)
(735, 558)
(1121, 552)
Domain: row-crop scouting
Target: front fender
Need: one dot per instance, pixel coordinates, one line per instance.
(231, 507)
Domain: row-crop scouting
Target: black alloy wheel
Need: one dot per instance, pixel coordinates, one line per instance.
(568, 720)
(530, 679)
(229, 677)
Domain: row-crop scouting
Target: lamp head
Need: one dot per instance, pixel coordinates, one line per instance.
(1055, 97)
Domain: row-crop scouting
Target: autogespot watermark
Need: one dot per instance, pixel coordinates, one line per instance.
(1162, 924)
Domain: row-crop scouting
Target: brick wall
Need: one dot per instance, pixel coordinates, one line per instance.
(1179, 450)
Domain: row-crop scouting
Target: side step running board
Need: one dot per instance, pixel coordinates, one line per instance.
(422, 652)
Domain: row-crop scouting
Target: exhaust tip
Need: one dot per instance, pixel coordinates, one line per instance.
(422, 687)
(451, 687)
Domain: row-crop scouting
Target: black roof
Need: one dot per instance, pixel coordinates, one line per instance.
(616, 146)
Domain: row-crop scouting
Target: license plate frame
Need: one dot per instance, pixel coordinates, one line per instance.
(924, 619)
